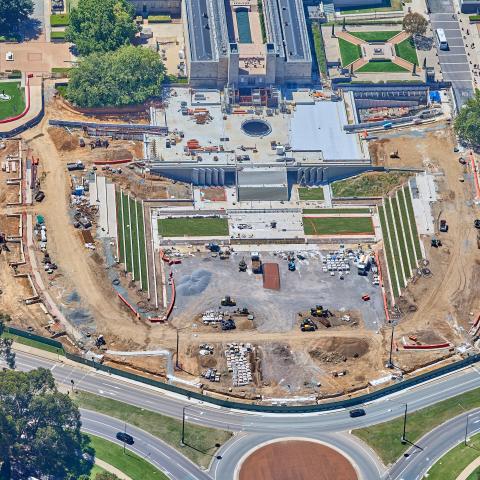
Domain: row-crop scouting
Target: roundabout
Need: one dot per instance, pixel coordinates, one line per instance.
(295, 459)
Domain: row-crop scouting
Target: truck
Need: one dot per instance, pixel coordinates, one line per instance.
(75, 166)
(363, 264)
(256, 263)
(443, 226)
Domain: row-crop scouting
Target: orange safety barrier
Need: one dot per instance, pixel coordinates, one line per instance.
(426, 347)
(125, 301)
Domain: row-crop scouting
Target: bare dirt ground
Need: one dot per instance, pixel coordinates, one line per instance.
(445, 301)
(296, 460)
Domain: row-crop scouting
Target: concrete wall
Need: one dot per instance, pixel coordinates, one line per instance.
(356, 3)
(172, 7)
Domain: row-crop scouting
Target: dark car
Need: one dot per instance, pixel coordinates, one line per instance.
(476, 223)
(358, 412)
(125, 437)
(443, 226)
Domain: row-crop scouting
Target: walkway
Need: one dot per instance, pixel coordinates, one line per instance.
(469, 469)
(110, 468)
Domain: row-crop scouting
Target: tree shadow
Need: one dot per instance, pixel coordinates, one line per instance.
(424, 43)
(31, 29)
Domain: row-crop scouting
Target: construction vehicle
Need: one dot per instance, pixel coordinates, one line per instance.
(256, 263)
(228, 324)
(291, 265)
(224, 255)
(242, 266)
(476, 223)
(228, 301)
(436, 242)
(394, 154)
(308, 325)
(317, 311)
(213, 247)
(363, 264)
(443, 226)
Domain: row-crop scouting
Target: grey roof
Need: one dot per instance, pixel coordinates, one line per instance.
(200, 25)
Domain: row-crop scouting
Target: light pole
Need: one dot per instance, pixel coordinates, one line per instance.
(390, 363)
(177, 365)
(466, 432)
(404, 439)
(182, 441)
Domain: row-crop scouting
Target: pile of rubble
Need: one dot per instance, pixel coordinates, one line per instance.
(328, 357)
(238, 363)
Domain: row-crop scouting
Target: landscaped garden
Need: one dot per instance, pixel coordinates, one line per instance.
(407, 51)
(349, 52)
(12, 99)
(379, 66)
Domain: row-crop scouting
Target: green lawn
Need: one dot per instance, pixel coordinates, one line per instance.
(143, 247)
(96, 469)
(193, 227)
(475, 475)
(64, 70)
(60, 20)
(337, 225)
(373, 184)
(200, 440)
(57, 35)
(121, 246)
(349, 52)
(16, 104)
(305, 193)
(401, 238)
(129, 463)
(407, 51)
(336, 210)
(454, 462)
(411, 214)
(406, 221)
(380, 66)
(127, 233)
(377, 36)
(388, 252)
(384, 438)
(34, 343)
(319, 49)
(395, 243)
(135, 244)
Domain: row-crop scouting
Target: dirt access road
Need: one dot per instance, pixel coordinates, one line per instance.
(66, 247)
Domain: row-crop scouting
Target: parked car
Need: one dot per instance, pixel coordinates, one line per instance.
(358, 412)
(125, 437)
(443, 226)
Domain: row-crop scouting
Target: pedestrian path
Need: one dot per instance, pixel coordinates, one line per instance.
(110, 468)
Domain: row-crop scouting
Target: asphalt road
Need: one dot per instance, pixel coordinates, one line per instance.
(455, 61)
(434, 445)
(326, 426)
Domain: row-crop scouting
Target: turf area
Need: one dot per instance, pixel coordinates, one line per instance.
(328, 211)
(378, 36)
(373, 184)
(142, 247)
(16, 104)
(384, 438)
(388, 252)
(200, 441)
(337, 225)
(456, 460)
(394, 243)
(95, 469)
(34, 343)
(407, 51)
(349, 52)
(475, 475)
(193, 227)
(406, 222)
(319, 49)
(401, 238)
(305, 193)
(381, 66)
(129, 463)
(411, 214)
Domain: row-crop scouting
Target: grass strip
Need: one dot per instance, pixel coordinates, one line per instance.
(381, 66)
(388, 252)
(394, 243)
(376, 36)
(261, 16)
(129, 463)
(413, 223)
(384, 438)
(337, 225)
(401, 238)
(143, 247)
(348, 52)
(456, 460)
(200, 441)
(120, 226)
(336, 210)
(305, 193)
(372, 184)
(406, 224)
(407, 51)
(34, 343)
(59, 19)
(127, 233)
(319, 49)
(193, 227)
(57, 35)
(134, 234)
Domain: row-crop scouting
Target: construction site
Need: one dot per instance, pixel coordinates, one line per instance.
(279, 247)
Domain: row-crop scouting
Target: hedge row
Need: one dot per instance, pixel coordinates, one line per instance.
(159, 19)
(60, 20)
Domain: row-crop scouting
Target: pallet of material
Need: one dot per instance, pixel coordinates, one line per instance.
(271, 276)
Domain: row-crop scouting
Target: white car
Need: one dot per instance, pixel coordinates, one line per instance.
(9, 56)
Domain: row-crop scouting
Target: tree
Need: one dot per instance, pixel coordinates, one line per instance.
(467, 122)
(415, 24)
(39, 429)
(13, 13)
(6, 346)
(127, 76)
(101, 26)
(106, 476)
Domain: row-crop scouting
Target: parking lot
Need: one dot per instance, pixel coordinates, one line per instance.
(202, 281)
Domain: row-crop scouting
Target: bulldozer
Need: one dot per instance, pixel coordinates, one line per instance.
(394, 154)
(242, 266)
(228, 301)
(308, 325)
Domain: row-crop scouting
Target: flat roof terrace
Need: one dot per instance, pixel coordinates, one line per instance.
(200, 26)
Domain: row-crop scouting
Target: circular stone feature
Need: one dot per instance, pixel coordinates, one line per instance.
(296, 459)
(256, 128)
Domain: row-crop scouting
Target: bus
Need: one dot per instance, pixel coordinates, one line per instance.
(442, 39)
